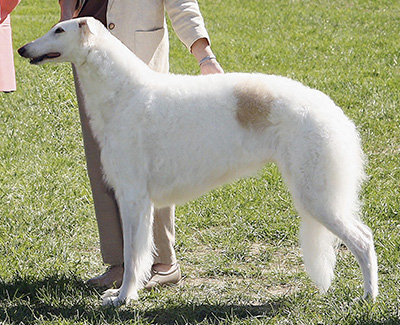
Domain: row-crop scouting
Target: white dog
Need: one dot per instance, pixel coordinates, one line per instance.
(166, 139)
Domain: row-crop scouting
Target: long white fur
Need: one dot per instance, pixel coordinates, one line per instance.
(166, 139)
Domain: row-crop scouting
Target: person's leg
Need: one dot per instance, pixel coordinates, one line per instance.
(165, 269)
(108, 217)
(106, 208)
(164, 236)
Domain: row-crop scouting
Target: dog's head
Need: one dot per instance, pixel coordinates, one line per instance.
(67, 41)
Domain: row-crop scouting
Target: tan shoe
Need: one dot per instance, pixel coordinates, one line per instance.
(173, 276)
(112, 278)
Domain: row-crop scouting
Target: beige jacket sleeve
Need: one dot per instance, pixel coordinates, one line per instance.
(186, 20)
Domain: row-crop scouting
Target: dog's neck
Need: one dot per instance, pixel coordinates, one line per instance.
(109, 72)
(108, 62)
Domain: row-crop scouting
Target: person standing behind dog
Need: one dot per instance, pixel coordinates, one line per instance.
(7, 70)
(141, 26)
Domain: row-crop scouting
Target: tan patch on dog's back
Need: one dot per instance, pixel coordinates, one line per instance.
(254, 102)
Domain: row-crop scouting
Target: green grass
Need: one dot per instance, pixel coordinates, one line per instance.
(238, 245)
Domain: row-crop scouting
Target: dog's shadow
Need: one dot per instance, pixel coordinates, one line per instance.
(26, 300)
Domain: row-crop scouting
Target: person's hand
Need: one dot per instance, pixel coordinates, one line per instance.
(210, 67)
(202, 52)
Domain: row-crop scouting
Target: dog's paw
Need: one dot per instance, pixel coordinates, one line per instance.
(110, 298)
(110, 293)
(368, 298)
(113, 298)
(112, 302)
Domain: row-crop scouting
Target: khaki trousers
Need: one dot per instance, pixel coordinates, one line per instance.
(106, 208)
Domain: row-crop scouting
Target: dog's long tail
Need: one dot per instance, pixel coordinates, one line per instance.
(323, 166)
(318, 248)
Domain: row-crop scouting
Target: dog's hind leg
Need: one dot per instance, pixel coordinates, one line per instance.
(324, 176)
(329, 211)
(137, 220)
(359, 240)
(318, 241)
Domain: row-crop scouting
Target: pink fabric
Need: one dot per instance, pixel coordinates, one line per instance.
(7, 71)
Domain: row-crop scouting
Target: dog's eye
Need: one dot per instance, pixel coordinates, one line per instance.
(59, 30)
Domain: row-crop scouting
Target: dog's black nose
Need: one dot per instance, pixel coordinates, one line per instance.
(21, 51)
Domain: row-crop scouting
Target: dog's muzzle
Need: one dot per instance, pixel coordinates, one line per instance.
(34, 60)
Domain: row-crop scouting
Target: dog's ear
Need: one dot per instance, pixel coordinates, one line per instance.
(88, 26)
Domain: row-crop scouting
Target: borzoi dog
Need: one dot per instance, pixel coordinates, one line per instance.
(166, 139)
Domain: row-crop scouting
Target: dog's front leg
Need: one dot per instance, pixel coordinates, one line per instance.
(137, 221)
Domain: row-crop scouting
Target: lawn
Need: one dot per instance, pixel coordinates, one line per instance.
(238, 245)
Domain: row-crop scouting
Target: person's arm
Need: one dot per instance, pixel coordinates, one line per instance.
(188, 24)
(68, 8)
(201, 50)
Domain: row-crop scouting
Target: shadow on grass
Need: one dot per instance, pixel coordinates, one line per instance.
(28, 300)
(213, 313)
(67, 298)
